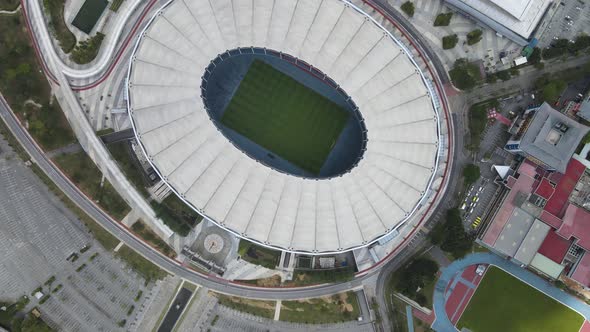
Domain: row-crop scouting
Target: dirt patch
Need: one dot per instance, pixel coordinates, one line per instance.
(273, 281)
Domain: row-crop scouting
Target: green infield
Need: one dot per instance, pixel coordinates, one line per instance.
(89, 14)
(504, 303)
(285, 117)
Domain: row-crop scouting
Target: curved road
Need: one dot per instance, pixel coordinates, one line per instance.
(172, 266)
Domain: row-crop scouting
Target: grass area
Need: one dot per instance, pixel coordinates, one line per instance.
(105, 131)
(443, 19)
(48, 125)
(25, 87)
(148, 270)
(338, 308)
(284, 116)
(13, 319)
(115, 5)
(58, 26)
(273, 281)
(259, 308)
(411, 277)
(504, 303)
(145, 233)
(87, 50)
(259, 255)
(399, 319)
(313, 277)
(84, 173)
(176, 214)
(89, 14)
(478, 121)
(122, 154)
(9, 5)
(465, 75)
(190, 286)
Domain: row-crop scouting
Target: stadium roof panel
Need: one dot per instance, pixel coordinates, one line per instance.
(243, 195)
(515, 19)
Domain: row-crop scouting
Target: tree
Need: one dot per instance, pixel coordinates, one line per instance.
(552, 90)
(416, 275)
(451, 236)
(465, 75)
(535, 56)
(443, 19)
(504, 75)
(408, 8)
(474, 37)
(471, 174)
(449, 41)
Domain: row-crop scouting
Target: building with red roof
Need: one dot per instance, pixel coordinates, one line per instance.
(536, 196)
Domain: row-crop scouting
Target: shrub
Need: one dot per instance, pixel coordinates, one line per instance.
(471, 174)
(408, 8)
(416, 275)
(87, 50)
(450, 41)
(474, 37)
(451, 236)
(465, 75)
(504, 75)
(443, 19)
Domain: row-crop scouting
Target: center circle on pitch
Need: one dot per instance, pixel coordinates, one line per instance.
(284, 113)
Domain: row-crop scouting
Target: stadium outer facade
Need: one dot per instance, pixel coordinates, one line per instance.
(388, 190)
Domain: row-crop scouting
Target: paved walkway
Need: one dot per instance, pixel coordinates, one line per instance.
(410, 318)
(442, 321)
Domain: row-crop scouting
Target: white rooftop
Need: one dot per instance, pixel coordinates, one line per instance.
(248, 198)
(519, 16)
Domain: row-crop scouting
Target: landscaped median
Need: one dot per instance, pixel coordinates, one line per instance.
(504, 303)
(324, 310)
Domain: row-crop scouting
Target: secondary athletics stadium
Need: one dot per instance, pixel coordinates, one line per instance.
(301, 125)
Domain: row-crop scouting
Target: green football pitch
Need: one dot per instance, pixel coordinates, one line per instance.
(504, 303)
(284, 116)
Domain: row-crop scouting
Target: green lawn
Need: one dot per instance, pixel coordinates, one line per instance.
(259, 255)
(89, 14)
(148, 270)
(259, 308)
(503, 303)
(58, 26)
(121, 152)
(84, 173)
(338, 308)
(285, 117)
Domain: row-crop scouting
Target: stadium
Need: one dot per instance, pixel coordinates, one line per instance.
(300, 125)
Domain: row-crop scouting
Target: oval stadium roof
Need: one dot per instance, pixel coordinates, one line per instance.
(248, 198)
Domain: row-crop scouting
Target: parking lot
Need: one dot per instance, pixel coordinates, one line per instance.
(571, 18)
(44, 245)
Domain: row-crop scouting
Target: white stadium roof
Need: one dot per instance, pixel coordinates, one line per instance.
(388, 185)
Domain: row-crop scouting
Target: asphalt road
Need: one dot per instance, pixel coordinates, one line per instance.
(175, 310)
